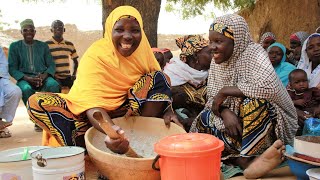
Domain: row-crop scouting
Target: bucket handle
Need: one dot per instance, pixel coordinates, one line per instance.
(154, 163)
(41, 161)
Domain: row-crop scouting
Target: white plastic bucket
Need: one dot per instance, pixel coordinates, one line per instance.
(16, 163)
(58, 163)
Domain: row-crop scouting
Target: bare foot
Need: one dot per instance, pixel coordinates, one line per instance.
(267, 161)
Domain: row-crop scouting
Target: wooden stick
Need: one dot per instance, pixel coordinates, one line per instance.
(106, 126)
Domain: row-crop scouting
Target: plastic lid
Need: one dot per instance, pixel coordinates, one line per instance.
(189, 145)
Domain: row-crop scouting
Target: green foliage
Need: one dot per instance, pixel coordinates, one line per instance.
(190, 8)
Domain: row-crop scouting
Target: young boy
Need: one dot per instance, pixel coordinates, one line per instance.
(61, 51)
(305, 99)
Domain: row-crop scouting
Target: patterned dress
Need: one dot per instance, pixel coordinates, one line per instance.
(266, 112)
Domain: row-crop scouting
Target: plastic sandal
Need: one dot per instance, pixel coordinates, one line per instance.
(5, 133)
(4, 125)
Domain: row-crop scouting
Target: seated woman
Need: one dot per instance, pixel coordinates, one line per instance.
(310, 59)
(277, 56)
(188, 77)
(267, 39)
(247, 108)
(296, 41)
(310, 63)
(117, 75)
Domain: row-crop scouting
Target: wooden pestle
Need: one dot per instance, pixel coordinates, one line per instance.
(106, 126)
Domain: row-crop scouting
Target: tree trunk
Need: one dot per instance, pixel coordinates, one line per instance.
(149, 10)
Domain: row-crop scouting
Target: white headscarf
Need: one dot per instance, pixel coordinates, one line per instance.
(306, 64)
(181, 73)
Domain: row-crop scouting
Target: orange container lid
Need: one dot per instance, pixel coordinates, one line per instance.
(189, 145)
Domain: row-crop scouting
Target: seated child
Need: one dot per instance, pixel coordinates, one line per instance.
(158, 53)
(305, 99)
(167, 55)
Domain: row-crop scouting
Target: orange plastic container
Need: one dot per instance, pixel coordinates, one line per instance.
(189, 156)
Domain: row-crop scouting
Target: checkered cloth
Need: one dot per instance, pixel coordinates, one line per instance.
(250, 70)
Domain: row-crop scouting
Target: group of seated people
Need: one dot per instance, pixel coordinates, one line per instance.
(297, 69)
(37, 67)
(227, 86)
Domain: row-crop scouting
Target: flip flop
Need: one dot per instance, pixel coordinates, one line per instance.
(4, 125)
(5, 133)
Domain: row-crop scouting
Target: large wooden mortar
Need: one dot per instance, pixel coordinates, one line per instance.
(119, 167)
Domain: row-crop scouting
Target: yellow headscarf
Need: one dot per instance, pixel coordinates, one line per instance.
(105, 76)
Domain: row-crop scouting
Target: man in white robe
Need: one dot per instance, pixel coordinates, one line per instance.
(10, 95)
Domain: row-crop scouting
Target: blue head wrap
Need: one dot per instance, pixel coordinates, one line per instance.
(282, 47)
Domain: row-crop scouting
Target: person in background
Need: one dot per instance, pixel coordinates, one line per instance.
(31, 64)
(188, 76)
(277, 56)
(10, 95)
(167, 55)
(248, 108)
(305, 99)
(267, 39)
(117, 76)
(61, 50)
(158, 54)
(310, 59)
(296, 41)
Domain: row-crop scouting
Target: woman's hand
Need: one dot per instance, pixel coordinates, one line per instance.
(222, 95)
(119, 145)
(169, 116)
(232, 124)
(217, 101)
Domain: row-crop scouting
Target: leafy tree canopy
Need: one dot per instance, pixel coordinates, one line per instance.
(190, 8)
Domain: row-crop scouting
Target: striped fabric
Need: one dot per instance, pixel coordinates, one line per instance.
(258, 118)
(61, 52)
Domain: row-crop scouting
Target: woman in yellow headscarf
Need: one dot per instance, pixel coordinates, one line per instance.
(117, 75)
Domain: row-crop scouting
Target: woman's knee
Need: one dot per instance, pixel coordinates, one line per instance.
(32, 101)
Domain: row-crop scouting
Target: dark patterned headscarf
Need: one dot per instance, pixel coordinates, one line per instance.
(190, 44)
(267, 35)
(300, 36)
(221, 28)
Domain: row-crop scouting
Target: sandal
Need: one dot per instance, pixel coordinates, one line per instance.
(4, 125)
(5, 133)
